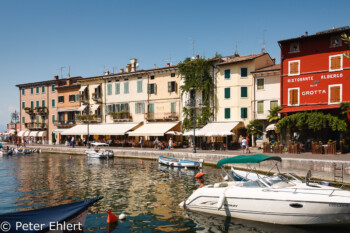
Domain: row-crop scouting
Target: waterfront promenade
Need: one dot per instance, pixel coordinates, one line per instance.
(321, 165)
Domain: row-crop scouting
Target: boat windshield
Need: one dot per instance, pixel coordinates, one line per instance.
(276, 183)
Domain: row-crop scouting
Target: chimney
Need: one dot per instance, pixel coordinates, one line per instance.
(168, 64)
(121, 70)
(55, 77)
(68, 82)
(107, 72)
(128, 68)
(133, 62)
(274, 60)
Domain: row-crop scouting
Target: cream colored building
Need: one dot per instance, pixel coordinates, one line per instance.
(235, 87)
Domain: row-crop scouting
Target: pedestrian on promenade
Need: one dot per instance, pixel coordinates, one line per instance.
(156, 143)
(170, 143)
(244, 145)
(72, 142)
(240, 140)
(247, 147)
(141, 142)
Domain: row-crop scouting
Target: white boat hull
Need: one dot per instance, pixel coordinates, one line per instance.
(178, 162)
(99, 154)
(277, 206)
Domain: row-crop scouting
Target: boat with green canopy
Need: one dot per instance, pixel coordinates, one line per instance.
(256, 158)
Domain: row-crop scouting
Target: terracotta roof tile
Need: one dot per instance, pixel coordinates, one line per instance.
(268, 68)
(241, 58)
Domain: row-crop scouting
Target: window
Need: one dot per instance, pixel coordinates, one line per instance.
(53, 88)
(31, 90)
(71, 98)
(152, 88)
(139, 86)
(227, 93)
(139, 108)
(244, 113)
(334, 94)
(126, 87)
(336, 41)
(117, 88)
(61, 99)
(227, 113)
(32, 104)
(23, 120)
(43, 119)
(38, 119)
(53, 103)
(227, 73)
(335, 63)
(42, 89)
(293, 96)
(294, 47)
(32, 118)
(53, 118)
(260, 107)
(37, 103)
(151, 108)
(23, 91)
(294, 68)
(244, 92)
(152, 77)
(109, 89)
(23, 105)
(173, 107)
(172, 86)
(43, 103)
(172, 75)
(244, 72)
(260, 83)
(273, 104)
(37, 90)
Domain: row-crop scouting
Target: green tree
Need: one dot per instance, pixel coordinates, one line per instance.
(274, 117)
(255, 129)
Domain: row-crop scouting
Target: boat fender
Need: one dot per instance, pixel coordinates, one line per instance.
(221, 201)
(122, 216)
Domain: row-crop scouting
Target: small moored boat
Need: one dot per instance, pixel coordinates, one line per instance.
(179, 162)
(50, 219)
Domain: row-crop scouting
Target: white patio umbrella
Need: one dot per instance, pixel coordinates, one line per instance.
(173, 133)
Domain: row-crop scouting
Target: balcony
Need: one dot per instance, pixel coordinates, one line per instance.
(35, 126)
(65, 124)
(169, 116)
(121, 116)
(84, 99)
(97, 97)
(41, 110)
(89, 118)
(29, 111)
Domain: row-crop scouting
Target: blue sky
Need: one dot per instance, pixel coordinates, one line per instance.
(39, 37)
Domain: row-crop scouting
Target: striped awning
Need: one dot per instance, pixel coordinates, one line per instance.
(154, 129)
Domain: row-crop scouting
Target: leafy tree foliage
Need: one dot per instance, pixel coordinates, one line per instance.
(255, 128)
(273, 117)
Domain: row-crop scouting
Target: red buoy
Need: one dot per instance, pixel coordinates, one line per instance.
(111, 217)
(70, 157)
(141, 161)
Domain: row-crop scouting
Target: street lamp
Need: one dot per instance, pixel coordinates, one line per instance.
(192, 104)
(15, 118)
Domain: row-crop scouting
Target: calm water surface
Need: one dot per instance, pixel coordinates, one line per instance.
(147, 193)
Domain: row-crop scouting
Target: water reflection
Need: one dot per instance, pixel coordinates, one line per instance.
(149, 194)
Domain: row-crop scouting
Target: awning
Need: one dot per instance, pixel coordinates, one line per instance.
(219, 128)
(154, 129)
(94, 107)
(56, 131)
(82, 88)
(95, 85)
(270, 127)
(21, 133)
(190, 132)
(33, 134)
(42, 134)
(69, 110)
(82, 108)
(26, 134)
(308, 108)
(102, 129)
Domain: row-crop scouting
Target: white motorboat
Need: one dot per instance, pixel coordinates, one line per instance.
(174, 162)
(22, 150)
(278, 201)
(99, 153)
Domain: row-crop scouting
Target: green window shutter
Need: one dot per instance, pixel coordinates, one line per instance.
(227, 93)
(143, 108)
(173, 107)
(37, 103)
(273, 104)
(43, 89)
(23, 120)
(169, 86)
(109, 89)
(43, 119)
(139, 86)
(151, 108)
(155, 88)
(32, 90)
(244, 91)
(260, 84)
(260, 107)
(77, 97)
(117, 88)
(43, 103)
(227, 73)
(136, 112)
(244, 72)
(126, 87)
(148, 88)
(244, 112)
(227, 113)
(52, 87)
(37, 119)
(53, 118)
(37, 90)
(23, 105)
(23, 91)
(53, 103)
(31, 104)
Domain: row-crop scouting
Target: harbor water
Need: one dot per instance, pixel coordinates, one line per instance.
(149, 194)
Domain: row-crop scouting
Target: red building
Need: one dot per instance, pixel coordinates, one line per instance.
(314, 73)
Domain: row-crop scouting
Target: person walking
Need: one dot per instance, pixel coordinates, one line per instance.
(247, 146)
(244, 145)
(141, 142)
(240, 140)
(170, 143)
(72, 141)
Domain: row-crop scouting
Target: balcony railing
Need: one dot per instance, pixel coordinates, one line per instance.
(97, 97)
(30, 111)
(89, 118)
(41, 110)
(121, 116)
(35, 125)
(168, 116)
(65, 123)
(84, 99)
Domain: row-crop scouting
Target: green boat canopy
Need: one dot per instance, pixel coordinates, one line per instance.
(257, 158)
